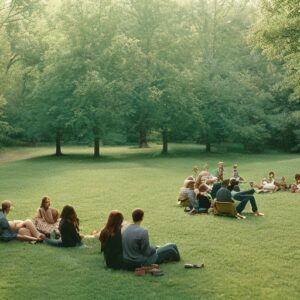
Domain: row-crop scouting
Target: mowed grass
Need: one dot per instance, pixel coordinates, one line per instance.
(253, 259)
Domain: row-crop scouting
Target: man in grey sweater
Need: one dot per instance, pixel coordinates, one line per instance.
(136, 247)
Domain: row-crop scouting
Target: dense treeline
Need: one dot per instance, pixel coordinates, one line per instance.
(209, 71)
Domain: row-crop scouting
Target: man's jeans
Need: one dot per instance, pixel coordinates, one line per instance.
(168, 252)
(244, 197)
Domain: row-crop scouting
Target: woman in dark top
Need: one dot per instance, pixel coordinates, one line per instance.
(204, 199)
(111, 240)
(69, 229)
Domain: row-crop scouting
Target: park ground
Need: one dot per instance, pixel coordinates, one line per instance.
(257, 258)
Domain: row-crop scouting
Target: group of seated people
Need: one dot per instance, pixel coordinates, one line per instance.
(47, 226)
(272, 184)
(124, 246)
(203, 192)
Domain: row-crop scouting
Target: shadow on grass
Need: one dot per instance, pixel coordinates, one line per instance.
(126, 156)
(141, 156)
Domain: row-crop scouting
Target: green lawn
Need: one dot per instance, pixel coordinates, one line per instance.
(253, 259)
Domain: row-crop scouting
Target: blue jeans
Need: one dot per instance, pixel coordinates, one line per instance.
(58, 243)
(168, 252)
(244, 197)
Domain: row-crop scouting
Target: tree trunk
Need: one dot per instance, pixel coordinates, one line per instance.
(58, 143)
(165, 142)
(96, 146)
(143, 143)
(208, 147)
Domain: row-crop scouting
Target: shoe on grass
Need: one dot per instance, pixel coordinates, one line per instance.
(240, 217)
(194, 266)
(258, 214)
(193, 212)
(139, 272)
(156, 272)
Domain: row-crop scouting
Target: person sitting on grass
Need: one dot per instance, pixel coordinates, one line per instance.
(243, 197)
(267, 184)
(69, 229)
(187, 196)
(282, 184)
(137, 250)
(204, 198)
(224, 195)
(47, 218)
(111, 240)
(21, 230)
(295, 187)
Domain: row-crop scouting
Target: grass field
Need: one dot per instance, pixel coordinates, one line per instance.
(253, 259)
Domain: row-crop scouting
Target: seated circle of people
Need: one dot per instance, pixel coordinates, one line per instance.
(17, 229)
(137, 250)
(229, 191)
(69, 229)
(47, 218)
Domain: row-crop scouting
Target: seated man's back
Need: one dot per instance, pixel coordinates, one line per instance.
(136, 246)
(224, 195)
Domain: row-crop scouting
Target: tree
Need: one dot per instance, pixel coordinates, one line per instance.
(277, 34)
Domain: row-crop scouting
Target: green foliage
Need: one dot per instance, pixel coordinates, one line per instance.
(278, 34)
(79, 70)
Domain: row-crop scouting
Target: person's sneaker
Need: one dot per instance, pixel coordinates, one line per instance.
(240, 217)
(187, 209)
(258, 214)
(139, 272)
(194, 266)
(193, 211)
(156, 272)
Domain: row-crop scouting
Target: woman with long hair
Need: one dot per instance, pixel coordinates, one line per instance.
(69, 229)
(111, 240)
(47, 218)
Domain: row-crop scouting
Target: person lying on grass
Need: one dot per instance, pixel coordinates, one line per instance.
(69, 229)
(267, 184)
(137, 250)
(243, 197)
(47, 218)
(111, 240)
(21, 230)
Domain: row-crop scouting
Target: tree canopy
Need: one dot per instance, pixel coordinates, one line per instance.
(208, 71)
